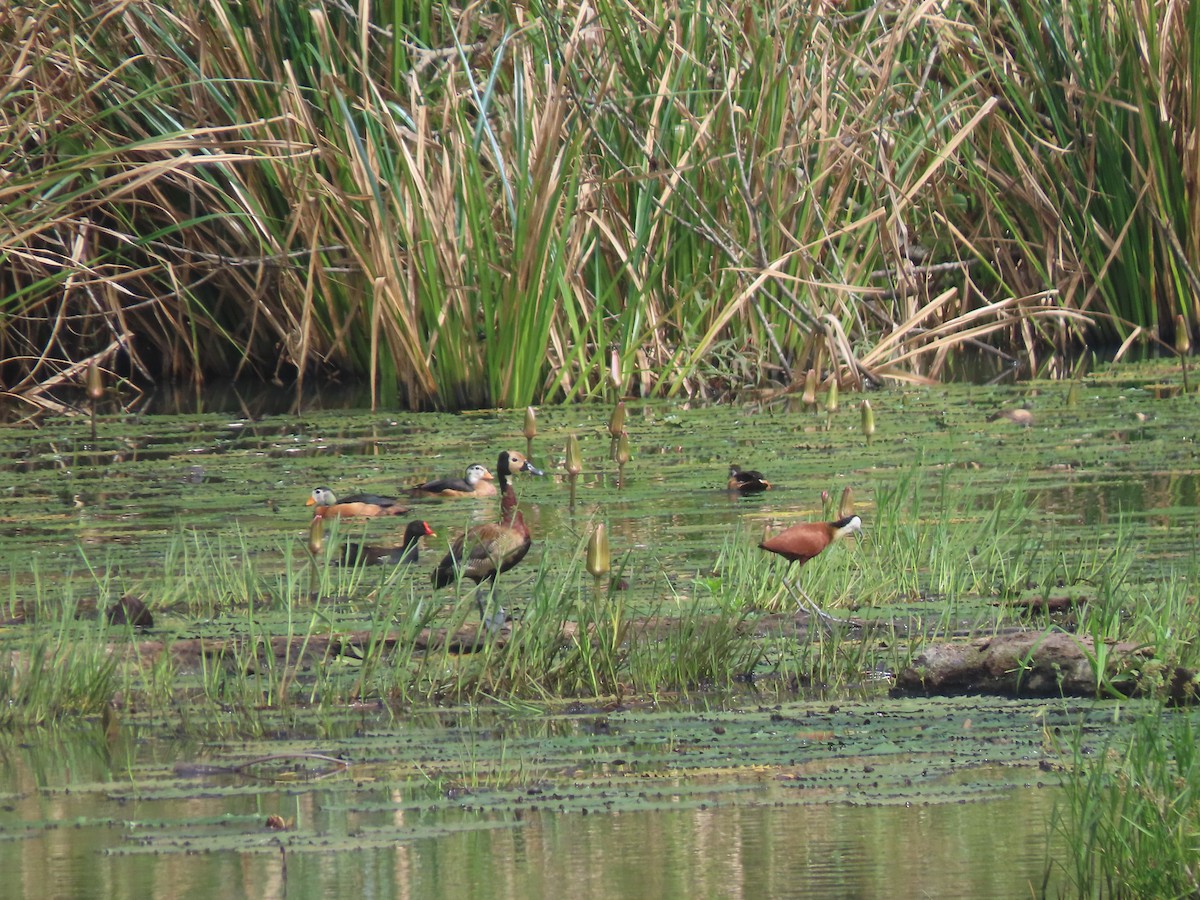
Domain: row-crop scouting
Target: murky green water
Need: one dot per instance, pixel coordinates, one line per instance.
(841, 803)
(712, 794)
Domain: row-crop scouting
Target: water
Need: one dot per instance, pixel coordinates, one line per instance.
(69, 831)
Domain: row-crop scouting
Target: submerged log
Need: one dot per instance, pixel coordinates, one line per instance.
(1020, 664)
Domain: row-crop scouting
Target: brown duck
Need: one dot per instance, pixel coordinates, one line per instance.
(747, 481)
(484, 551)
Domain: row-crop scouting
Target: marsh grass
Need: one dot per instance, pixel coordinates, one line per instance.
(1131, 817)
(940, 558)
(61, 672)
(493, 207)
(1120, 176)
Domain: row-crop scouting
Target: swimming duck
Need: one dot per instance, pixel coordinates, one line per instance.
(747, 481)
(327, 505)
(484, 551)
(476, 483)
(390, 556)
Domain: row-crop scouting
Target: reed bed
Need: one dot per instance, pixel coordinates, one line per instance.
(472, 206)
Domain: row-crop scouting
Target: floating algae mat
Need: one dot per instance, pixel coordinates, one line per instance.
(673, 725)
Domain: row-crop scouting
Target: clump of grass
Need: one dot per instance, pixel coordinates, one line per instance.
(1131, 817)
(64, 672)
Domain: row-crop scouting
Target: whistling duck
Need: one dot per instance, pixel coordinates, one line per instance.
(390, 556)
(327, 505)
(800, 543)
(476, 483)
(747, 481)
(484, 551)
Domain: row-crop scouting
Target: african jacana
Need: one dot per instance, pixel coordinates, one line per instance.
(747, 481)
(390, 556)
(484, 551)
(476, 483)
(800, 543)
(367, 505)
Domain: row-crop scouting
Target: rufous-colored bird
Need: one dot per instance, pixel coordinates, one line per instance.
(800, 543)
(408, 552)
(477, 482)
(747, 481)
(365, 505)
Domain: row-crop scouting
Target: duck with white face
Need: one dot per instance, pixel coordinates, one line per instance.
(356, 505)
(477, 482)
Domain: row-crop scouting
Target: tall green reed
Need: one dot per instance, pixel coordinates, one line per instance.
(1131, 815)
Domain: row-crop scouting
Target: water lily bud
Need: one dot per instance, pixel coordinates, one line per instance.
(95, 382)
(1073, 393)
(316, 536)
(810, 388)
(622, 449)
(616, 424)
(574, 458)
(530, 423)
(614, 369)
(597, 552)
(846, 507)
(831, 402)
(1183, 337)
(868, 419)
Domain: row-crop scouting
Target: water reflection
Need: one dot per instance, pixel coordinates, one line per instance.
(1101, 499)
(992, 849)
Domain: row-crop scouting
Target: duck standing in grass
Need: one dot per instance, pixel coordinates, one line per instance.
(484, 551)
(477, 482)
(365, 505)
(408, 552)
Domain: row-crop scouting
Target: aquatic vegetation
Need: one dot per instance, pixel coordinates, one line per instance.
(1131, 814)
(585, 227)
(974, 528)
(679, 679)
(57, 674)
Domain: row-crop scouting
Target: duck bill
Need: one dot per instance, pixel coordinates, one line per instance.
(529, 467)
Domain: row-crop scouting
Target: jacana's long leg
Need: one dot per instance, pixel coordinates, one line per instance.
(807, 603)
(484, 595)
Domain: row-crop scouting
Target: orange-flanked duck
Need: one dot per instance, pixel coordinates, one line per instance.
(477, 482)
(364, 505)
